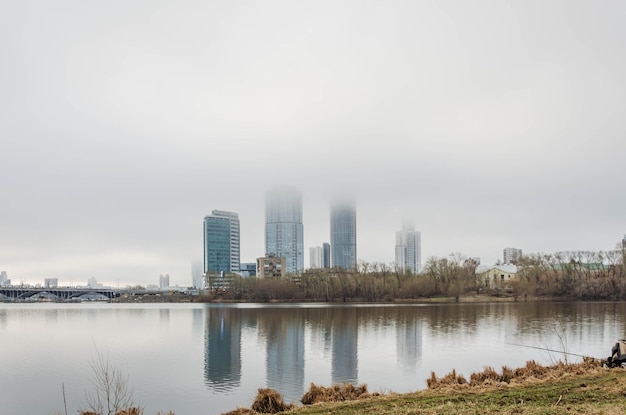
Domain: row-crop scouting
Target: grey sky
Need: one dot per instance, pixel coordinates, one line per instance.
(488, 123)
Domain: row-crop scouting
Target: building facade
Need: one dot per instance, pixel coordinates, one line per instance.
(221, 242)
(247, 269)
(325, 255)
(164, 281)
(271, 266)
(409, 249)
(284, 232)
(510, 255)
(51, 282)
(197, 274)
(315, 257)
(343, 235)
(4, 279)
(496, 277)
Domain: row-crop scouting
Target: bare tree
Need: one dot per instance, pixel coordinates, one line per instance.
(111, 392)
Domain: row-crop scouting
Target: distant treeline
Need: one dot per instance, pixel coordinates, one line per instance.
(569, 275)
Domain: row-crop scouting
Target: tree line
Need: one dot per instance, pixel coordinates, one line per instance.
(570, 275)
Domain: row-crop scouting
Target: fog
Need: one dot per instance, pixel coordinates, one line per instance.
(489, 124)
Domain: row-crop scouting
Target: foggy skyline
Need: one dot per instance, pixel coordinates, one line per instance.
(489, 124)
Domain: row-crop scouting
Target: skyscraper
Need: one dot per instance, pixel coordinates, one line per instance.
(315, 256)
(221, 242)
(343, 235)
(196, 274)
(409, 248)
(284, 233)
(325, 255)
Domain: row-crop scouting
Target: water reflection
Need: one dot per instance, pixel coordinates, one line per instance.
(231, 350)
(349, 342)
(284, 334)
(408, 344)
(344, 340)
(222, 346)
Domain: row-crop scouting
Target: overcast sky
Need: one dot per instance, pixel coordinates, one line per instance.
(123, 123)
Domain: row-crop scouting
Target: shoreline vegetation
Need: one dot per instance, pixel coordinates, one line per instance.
(563, 276)
(586, 387)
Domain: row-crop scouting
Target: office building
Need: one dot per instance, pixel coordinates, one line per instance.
(315, 257)
(343, 235)
(92, 282)
(221, 242)
(197, 273)
(325, 255)
(51, 282)
(4, 279)
(511, 255)
(164, 281)
(409, 249)
(284, 234)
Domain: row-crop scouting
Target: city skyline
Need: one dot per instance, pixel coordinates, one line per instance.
(492, 124)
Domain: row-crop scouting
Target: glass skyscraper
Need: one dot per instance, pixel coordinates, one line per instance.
(409, 249)
(283, 227)
(343, 235)
(221, 242)
(325, 255)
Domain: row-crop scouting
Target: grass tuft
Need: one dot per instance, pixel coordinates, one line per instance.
(335, 393)
(269, 401)
(532, 371)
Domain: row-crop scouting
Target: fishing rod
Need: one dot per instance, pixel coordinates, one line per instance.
(552, 350)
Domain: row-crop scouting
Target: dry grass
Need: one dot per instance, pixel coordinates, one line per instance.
(268, 401)
(335, 393)
(240, 411)
(533, 371)
(530, 390)
(129, 411)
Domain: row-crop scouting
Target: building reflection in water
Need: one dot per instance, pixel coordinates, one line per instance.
(344, 366)
(222, 348)
(284, 332)
(408, 344)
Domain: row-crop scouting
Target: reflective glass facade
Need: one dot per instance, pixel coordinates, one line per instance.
(221, 242)
(343, 236)
(284, 233)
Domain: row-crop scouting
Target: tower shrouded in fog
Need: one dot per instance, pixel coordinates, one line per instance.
(409, 248)
(284, 233)
(343, 235)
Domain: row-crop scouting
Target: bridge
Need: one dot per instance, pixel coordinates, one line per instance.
(56, 294)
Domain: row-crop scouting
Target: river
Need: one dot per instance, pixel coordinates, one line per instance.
(210, 358)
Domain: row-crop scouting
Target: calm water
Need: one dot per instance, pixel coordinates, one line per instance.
(207, 359)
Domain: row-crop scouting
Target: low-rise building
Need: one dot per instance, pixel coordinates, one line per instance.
(271, 266)
(496, 276)
(247, 269)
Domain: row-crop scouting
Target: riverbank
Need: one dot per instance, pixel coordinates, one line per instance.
(580, 388)
(473, 298)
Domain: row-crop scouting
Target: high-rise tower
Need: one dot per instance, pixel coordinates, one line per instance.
(284, 233)
(221, 242)
(409, 248)
(325, 255)
(343, 235)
